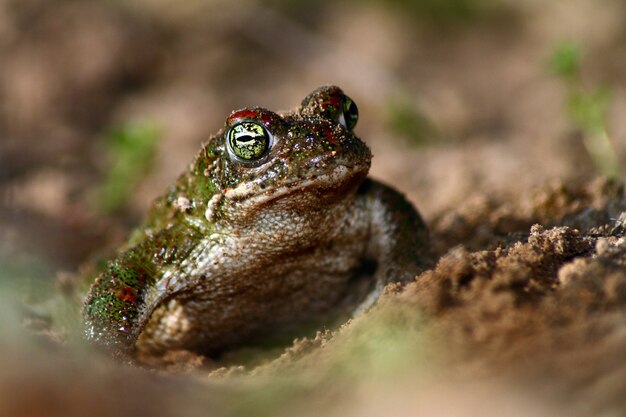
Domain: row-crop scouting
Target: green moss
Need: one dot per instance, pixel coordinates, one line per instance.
(203, 188)
(106, 307)
(118, 296)
(200, 184)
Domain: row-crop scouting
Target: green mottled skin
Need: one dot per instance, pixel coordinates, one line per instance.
(239, 250)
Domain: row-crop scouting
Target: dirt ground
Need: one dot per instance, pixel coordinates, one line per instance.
(525, 311)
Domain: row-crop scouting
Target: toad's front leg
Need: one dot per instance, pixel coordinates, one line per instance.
(399, 241)
(123, 297)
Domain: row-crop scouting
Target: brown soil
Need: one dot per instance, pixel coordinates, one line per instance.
(525, 311)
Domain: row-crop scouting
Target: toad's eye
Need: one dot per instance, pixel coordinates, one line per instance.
(350, 113)
(331, 103)
(248, 140)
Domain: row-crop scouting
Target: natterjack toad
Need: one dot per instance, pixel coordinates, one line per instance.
(269, 229)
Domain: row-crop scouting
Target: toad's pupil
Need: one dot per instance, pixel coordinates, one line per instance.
(244, 140)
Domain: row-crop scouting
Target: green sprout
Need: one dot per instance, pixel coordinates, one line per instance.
(130, 150)
(407, 121)
(565, 61)
(587, 109)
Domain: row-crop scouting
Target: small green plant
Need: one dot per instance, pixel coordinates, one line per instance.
(130, 150)
(587, 108)
(406, 120)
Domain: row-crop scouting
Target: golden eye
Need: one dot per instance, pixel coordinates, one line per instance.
(350, 113)
(331, 103)
(248, 140)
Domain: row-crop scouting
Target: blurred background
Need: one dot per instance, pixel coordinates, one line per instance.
(104, 103)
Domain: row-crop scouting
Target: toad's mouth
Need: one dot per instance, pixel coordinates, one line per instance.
(247, 197)
(337, 178)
